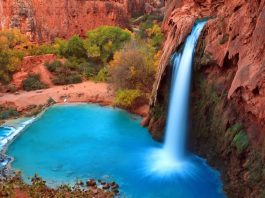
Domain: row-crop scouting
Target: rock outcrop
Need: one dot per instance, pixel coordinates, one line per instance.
(34, 65)
(44, 21)
(230, 64)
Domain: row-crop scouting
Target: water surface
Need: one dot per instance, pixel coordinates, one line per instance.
(88, 141)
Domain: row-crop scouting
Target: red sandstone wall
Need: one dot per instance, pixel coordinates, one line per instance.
(45, 20)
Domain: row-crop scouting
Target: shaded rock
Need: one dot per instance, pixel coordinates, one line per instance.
(91, 183)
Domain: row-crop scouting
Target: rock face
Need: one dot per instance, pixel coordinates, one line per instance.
(44, 21)
(234, 39)
(228, 80)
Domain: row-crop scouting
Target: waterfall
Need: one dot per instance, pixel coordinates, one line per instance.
(172, 157)
(177, 118)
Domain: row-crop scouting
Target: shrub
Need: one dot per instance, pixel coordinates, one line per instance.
(65, 73)
(9, 63)
(43, 49)
(50, 101)
(155, 36)
(134, 67)
(75, 48)
(53, 65)
(102, 75)
(241, 141)
(33, 83)
(6, 113)
(127, 97)
(11, 53)
(102, 42)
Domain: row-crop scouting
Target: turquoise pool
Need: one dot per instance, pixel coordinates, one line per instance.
(70, 142)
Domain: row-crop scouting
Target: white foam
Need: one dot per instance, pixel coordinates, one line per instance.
(13, 132)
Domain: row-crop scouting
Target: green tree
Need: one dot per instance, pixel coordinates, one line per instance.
(102, 42)
(155, 36)
(75, 48)
(10, 53)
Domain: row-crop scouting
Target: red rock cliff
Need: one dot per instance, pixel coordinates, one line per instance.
(44, 20)
(231, 57)
(234, 39)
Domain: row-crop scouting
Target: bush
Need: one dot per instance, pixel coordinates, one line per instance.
(127, 97)
(134, 67)
(75, 48)
(102, 42)
(241, 141)
(53, 65)
(11, 53)
(102, 75)
(50, 101)
(155, 36)
(43, 49)
(33, 83)
(6, 113)
(65, 73)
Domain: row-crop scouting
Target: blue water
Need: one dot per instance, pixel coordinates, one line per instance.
(4, 133)
(88, 141)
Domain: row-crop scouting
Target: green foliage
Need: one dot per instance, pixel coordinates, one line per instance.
(241, 141)
(134, 67)
(32, 82)
(158, 111)
(150, 30)
(127, 97)
(50, 101)
(6, 112)
(43, 49)
(155, 36)
(61, 46)
(102, 75)
(11, 54)
(235, 128)
(53, 65)
(64, 73)
(75, 48)
(102, 42)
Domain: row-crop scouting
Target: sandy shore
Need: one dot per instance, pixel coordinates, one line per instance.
(84, 92)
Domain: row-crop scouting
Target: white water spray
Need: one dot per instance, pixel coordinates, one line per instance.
(177, 119)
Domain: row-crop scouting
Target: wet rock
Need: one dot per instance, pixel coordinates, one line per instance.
(91, 183)
(106, 186)
(116, 192)
(114, 185)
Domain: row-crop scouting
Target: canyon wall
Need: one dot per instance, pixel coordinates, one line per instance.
(44, 20)
(228, 87)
